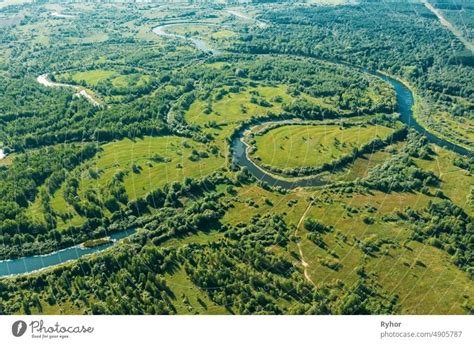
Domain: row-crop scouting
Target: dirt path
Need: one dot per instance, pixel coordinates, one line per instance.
(448, 25)
(303, 262)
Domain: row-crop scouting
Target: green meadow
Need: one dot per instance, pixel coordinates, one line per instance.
(295, 146)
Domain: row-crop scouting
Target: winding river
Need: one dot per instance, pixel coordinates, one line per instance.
(35, 263)
(405, 102)
(198, 43)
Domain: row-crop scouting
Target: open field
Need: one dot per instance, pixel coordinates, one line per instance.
(454, 129)
(94, 77)
(455, 181)
(295, 146)
(238, 107)
(131, 80)
(91, 77)
(415, 269)
(175, 153)
(147, 164)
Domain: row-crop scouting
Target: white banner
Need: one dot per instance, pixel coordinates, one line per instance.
(236, 329)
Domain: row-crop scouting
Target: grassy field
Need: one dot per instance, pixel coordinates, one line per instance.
(129, 80)
(456, 129)
(222, 34)
(313, 145)
(461, 126)
(59, 204)
(113, 79)
(237, 107)
(361, 166)
(202, 31)
(419, 274)
(190, 299)
(191, 29)
(121, 155)
(147, 164)
(422, 276)
(455, 181)
(92, 77)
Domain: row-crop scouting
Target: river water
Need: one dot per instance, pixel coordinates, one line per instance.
(405, 103)
(35, 263)
(198, 43)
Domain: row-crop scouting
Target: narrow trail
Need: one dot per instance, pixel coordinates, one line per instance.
(448, 25)
(303, 262)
